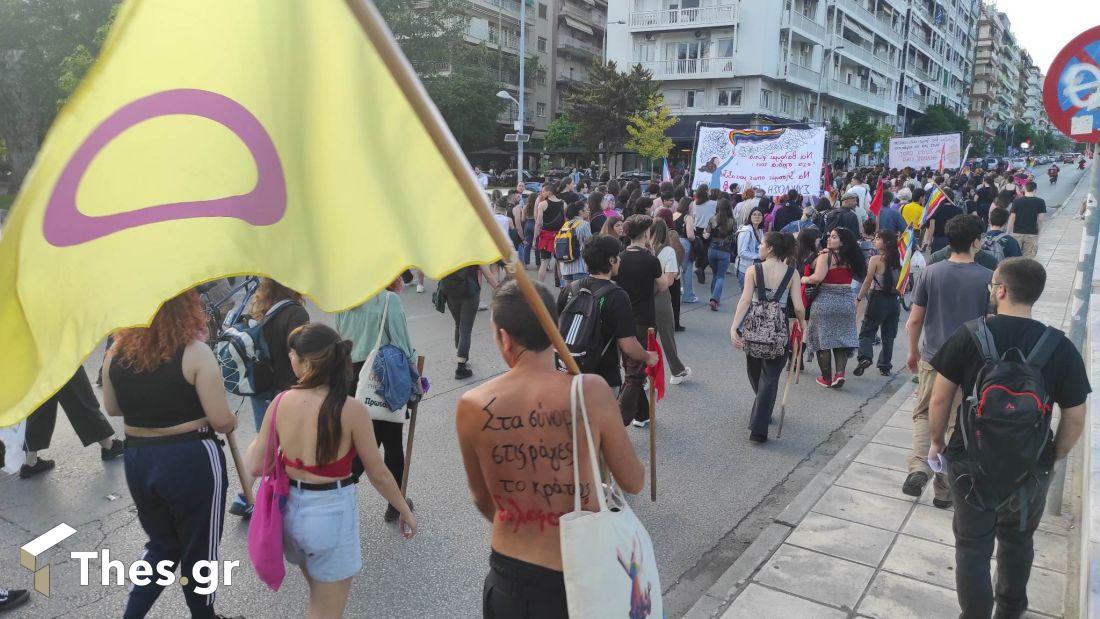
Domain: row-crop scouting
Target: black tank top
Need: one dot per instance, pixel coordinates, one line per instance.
(680, 225)
(553, 218)
(161, 398)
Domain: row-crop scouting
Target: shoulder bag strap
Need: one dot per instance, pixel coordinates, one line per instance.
(382, 326)
(273, 309)
(761, 291)
(1044, 348)
(576, 395)
(270, 454)
(781, 291)
(979, 330)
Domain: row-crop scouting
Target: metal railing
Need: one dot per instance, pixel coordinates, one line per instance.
(578, 46)
(804, 76)
(867, 57)
(793, 18)
(874, 100)
(723, 14)
(862, 14)
(690, 68)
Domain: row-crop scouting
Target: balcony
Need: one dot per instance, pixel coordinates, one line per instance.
(874, 100)
(575, 12)
(856, 9)
(867, 57)
(694, 68)
(577, 47)
(803, 76)
(914, 102)
(925, 47)
(922, 75)
(806, 25)
(680, 19)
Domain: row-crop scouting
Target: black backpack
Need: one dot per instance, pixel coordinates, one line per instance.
(580, 324)
(1005, 422)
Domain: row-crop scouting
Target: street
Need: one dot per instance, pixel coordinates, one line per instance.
(716, 490)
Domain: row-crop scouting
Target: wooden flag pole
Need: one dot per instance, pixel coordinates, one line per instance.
(652, 435)
(378, 33)
(796, 370)
(246, 480)
(412, 431)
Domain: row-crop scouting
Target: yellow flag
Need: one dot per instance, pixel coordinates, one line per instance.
(214, 138)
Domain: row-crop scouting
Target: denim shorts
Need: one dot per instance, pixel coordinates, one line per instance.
(321, 533)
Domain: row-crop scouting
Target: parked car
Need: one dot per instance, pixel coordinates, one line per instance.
(1043, 160)
(636, 175)
(991, 163)
(1018, 163)
(530, 181)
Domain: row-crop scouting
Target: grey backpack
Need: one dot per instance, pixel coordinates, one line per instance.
(764, 327)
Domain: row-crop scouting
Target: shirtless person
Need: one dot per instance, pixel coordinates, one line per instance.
(515, 432)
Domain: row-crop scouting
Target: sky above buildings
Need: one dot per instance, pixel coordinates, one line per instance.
(1044, 27)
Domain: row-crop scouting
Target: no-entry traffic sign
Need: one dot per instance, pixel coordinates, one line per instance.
(1071, 92)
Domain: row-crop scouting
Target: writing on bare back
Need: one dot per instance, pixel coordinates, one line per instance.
(774, 160)
(532, 453)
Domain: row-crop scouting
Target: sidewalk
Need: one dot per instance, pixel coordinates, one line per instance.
(851, 544)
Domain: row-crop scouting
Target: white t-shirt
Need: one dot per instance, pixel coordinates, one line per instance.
(504, 221)
(667, 256)
(483, 180)
(704, 211)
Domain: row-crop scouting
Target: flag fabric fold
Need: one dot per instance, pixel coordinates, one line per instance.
(211, 139)
(936, 197)
(906, 253)
(657, 372)
(666, 175)
(876, 202)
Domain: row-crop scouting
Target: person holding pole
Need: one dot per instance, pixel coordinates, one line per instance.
(166, 385)
(523, 496)
(363, 326)
(780, 282)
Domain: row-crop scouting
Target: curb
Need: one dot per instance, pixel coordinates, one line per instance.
(730, 582)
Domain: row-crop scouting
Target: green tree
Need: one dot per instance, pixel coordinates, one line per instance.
(939, 119)
(36, 36)
(560, 133)
(602, 107)
(75, 66)
(647, 130)
(469, 104)
(857, 130)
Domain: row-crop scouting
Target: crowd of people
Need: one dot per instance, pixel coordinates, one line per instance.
(815, 274)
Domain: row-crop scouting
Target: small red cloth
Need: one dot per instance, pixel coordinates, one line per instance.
(656, 373)
(796, 334)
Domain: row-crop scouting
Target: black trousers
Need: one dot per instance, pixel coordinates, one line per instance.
(975, 532)
(633, 401)
(516, 589)
(82, 409)
(764, 377)
(387, 434)
(677, 292)
(882, 315)
(463, 311)
(179, 492)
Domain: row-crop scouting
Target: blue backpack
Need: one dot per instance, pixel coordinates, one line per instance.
(244, 357)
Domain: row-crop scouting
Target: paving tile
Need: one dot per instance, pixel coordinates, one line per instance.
(863, 507)
(901, 419)
(763, 603)
(932, 524)
(842, 538)
(924, 560)
(1046, 592)
(885, 456)
(1050, 551)
(886, 482)
(816, 576)
(897, 597)
(895, 437)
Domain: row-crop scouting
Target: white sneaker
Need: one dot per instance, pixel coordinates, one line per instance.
(681, 377)
(640, 424)
(419, 288)
(482, 307)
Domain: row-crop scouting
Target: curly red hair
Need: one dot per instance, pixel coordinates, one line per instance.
(179, 322)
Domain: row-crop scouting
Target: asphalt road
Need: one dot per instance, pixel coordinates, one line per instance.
(715, 488)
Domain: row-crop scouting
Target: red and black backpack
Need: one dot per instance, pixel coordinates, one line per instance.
(1005, 421)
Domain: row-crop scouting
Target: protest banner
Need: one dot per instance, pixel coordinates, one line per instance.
(774, 160)
(927, 151)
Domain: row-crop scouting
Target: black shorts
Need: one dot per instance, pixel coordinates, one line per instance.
(516, 589)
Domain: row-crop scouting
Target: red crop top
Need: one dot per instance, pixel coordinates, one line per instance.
(338, 469)
(837, 274)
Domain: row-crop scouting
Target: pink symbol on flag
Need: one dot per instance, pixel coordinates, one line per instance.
(64, 225)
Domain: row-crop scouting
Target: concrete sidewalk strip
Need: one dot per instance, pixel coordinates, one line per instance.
(851, 544)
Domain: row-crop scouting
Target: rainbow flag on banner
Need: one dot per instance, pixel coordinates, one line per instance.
(906, 252)
(199, 147)
(936, 197)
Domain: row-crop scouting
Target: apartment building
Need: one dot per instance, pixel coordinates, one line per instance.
(938, 65)
(578, 42)
(1029, 101)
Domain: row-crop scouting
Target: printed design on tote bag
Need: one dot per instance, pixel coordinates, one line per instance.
(641, 604)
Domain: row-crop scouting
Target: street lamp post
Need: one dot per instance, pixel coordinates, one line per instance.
(605, 28)
(518, 127)
(826, 54)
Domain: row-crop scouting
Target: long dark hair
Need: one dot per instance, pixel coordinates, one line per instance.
(327, 357)
(807, 244)
(723, 218)
(850, 253)
(890, 254)
(702, 193)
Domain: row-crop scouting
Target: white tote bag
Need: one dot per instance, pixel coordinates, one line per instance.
(369, 383)
(607, 556)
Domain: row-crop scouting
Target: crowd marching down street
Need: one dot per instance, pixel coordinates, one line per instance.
(822, 279)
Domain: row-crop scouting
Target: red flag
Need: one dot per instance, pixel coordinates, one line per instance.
(876, 202)
(828, 180)
(943, 151)
(657, 372)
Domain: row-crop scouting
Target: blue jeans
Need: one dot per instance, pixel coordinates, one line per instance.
(719, 261)
(687, 278)
(528, 241)
(259, 409)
